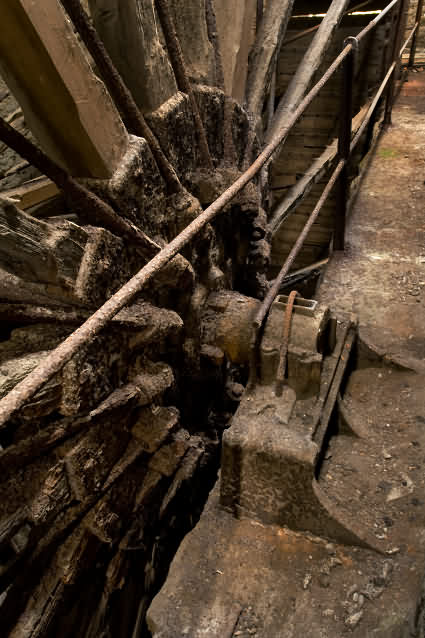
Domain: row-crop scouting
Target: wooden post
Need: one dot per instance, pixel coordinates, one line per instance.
(65, 105)
(344, 142)
(415, 35)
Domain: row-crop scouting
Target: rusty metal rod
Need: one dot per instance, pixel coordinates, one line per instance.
(371, 108)
(283, 354)
(406, 42)
(213, 38)
(274, 290)
(372, 24)
(395, 58)
(302, 34)
(177, 61)
(344, 140)
(55, 361)
(96, 210)
(418, 20)
(378, 95)
(130, 112)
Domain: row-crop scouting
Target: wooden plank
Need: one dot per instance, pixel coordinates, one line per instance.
(32, 193)
(311, 62)
(264, 53)
(312, 176)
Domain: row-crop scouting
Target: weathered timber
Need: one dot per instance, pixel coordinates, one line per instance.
(190, 21)
(236, 33)
(32, 193)
(129, 32)
(265, 51)
(10, 525)
(149, 322)
(213, 38)
(37, 251)
(312, 176)
(124, 100)
(303, 77)
(177, 60)
(72, 263)
(85, 202)
(83, 132)
(141, 391)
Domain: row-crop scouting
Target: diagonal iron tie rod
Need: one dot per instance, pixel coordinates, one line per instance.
(306, 32)
(55, 361)
(179, 68)
(130, 112)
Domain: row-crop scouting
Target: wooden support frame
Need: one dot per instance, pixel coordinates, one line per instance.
(310, 64)
(65, 105)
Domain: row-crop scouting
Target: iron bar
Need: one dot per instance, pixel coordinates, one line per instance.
(96, 210)
(378, 95)
(179, 68)
(55, 361)
(418, 19)
(344, 141)
(372, 24)
(372, 108)
(130, 112)
(213, 38)
(274, 290)
(396, 60)
(409, 37)
(283, 354)
(302, 34)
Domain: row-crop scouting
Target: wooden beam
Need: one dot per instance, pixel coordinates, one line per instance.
(236, 34)
(312, 176)
(64, 103)
(131, 36)
(309, 65)
(265, 51)
(31, 193)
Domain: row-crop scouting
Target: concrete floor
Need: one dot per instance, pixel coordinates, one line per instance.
(381, 275)
(242, 578)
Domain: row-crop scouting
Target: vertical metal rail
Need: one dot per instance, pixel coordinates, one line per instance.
(418, 19)
(344, 141)
(397, 60)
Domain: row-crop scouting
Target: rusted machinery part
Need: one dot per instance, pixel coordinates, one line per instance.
(283, 355)
(96, 210)
(179, 68)
(133, 118)
(274, 290)
(54, 362)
